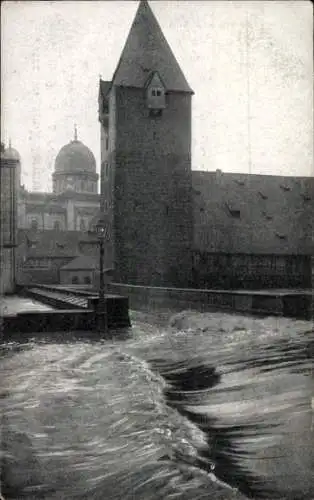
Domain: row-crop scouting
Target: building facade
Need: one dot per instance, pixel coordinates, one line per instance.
(252, 231)
(168, 225)
(8, 221)
(42, 232)
(74, 201)
(145, 115)
(174, 227)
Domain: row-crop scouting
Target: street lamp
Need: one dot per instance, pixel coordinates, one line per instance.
(102, 319)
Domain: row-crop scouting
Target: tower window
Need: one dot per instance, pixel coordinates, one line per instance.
(107, 143)
(156, 98)
(105, 107)
(155, 93)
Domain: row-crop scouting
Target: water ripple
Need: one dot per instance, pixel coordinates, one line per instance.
(178, 411)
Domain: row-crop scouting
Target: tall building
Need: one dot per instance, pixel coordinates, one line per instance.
(145, 115)
(174, 227)
(169, 226)
(43, 232)
(74, 202)
(8, 220)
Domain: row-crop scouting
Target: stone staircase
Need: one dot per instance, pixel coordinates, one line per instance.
(58, 298)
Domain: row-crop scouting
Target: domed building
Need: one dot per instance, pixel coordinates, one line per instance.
(74, 202)
(54, 228)
(75, 169)
(12, 154)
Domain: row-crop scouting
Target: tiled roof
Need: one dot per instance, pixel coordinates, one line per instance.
(50, 243)
(81, 263)
(146, 51)
(239, 213)
(37, 197)
(36, 207)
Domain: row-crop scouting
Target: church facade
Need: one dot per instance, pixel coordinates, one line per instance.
(74, 201)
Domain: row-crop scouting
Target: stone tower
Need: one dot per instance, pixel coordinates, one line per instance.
(145, 115)
(8, 220)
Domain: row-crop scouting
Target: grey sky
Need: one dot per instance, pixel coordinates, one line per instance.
(54, 52)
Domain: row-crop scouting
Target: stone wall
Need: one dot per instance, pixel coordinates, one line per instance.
(260, 303)
(153, 218)
(67, 322)
(7, 271)
(242, 271)
(8, 224)
(45, 270)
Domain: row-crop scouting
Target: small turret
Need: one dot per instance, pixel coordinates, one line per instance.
(14, 157)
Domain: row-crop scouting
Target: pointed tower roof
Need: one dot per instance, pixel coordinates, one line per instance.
(147, 50)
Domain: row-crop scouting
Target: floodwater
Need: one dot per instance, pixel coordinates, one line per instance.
(182, 406)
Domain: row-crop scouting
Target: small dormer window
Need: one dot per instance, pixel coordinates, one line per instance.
(155, 93)
(156, 98)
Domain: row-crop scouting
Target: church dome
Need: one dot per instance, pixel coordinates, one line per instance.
(75, 157)
(12, 154)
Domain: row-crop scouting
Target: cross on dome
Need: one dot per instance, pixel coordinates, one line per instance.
(75, 132)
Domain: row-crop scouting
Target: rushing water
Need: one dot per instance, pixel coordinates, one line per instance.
(188, 406)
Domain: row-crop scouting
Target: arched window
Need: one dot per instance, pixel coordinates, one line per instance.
(56, 225)
(75, 280)
(34, 224)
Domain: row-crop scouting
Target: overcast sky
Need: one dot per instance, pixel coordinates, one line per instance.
(250, 65)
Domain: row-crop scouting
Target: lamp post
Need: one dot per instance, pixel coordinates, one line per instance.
(102, 319)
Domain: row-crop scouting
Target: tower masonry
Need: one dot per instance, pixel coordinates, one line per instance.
(145, 115)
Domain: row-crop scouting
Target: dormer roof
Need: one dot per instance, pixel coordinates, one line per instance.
(154, 80)
(147, 51)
